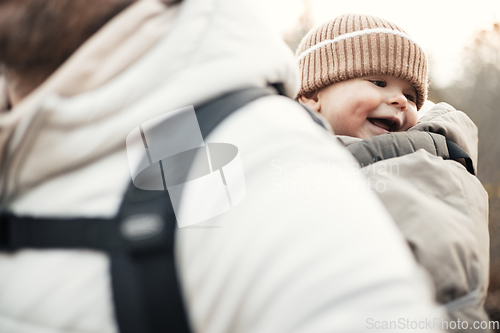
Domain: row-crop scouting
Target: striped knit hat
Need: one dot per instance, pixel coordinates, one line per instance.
(354, 45)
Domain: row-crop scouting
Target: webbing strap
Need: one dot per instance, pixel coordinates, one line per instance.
(43, 233)
(211, 114)
(139, 241)
(146, 289)
(156, 301)
(456, 152)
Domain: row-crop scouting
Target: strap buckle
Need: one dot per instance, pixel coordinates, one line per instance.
(144, 233)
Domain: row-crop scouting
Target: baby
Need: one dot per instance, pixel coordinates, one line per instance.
(368, 79)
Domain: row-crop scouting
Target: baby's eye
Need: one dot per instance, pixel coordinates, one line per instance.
(411, 98)
(379, 83)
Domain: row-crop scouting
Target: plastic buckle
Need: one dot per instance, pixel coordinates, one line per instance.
(144, 233)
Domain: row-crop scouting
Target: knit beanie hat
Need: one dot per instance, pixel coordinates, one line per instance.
(354, 45)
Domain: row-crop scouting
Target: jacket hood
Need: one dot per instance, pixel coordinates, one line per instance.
(127, 74)
(455, 125)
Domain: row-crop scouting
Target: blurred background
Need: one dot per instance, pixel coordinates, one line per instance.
(462, 42)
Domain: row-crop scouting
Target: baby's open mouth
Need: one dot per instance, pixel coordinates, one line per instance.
(386, 124)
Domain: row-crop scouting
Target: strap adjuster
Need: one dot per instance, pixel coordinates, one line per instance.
(144, 233)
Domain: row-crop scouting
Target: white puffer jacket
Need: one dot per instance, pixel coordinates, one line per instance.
(298, 254)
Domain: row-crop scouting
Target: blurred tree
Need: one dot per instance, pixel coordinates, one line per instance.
(304, 24)
(477, 94)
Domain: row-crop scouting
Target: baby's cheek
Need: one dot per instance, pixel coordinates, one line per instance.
(365, 106)
(411, 119)
(342, 123)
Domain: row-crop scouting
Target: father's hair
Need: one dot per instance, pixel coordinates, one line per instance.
(37, 36)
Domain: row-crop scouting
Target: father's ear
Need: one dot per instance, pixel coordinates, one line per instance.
(311, 100)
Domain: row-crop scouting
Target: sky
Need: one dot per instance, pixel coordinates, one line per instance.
(442, 27)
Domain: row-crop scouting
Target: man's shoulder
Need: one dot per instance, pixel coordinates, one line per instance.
(276, 118)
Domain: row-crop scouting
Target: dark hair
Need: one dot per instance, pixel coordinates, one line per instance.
(37, 36)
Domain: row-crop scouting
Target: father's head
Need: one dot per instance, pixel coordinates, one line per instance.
(37, 36)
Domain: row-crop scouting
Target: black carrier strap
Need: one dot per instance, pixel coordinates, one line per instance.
(457, 153)
(139, 240)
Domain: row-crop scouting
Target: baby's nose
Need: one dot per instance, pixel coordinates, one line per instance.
(400, 101)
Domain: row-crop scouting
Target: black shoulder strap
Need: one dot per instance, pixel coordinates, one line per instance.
(214, 112)
(156, 301)
(456, 153)
(139, 240)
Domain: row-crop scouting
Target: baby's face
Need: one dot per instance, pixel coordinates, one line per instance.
(367, 106)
